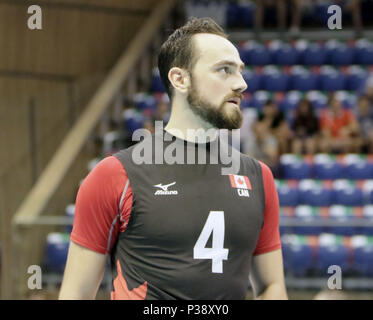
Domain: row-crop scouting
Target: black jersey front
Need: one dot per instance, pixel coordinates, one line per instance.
(191, 233)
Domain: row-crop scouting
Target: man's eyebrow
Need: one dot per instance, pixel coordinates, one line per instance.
(231, 63)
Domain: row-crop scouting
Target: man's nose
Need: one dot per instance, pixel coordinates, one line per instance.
(240, 84)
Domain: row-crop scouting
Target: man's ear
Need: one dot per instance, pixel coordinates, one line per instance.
(179, 79)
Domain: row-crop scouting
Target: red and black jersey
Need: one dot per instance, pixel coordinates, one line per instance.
(179, 231)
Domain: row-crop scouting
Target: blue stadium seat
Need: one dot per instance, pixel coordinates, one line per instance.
(56, 250)
(260, 98)
(315, 55)
(363, 257)
(368, 215)
(342, 214)
(298, 170)
(319, 197)
(307, 214)
(253, 80)
(326, 171)
(156, 82)
(348, 194)
(332, 80)
(361, 170)
(288, 196)
(301, 259)
(274, 79)
(290, 101)
(368, 191)
(318, 99)
(285, 55)
(303, 80)
(356, 78)
(255, 54)
(286, 213)
(343, 55)
(332, 251)
(315, 193)
(286, 254)
(364, 55)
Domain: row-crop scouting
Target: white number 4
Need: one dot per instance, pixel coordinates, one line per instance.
(215, 225)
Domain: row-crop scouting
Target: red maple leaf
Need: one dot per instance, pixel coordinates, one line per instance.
(240, 181)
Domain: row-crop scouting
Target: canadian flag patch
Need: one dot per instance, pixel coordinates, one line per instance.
(240, 182)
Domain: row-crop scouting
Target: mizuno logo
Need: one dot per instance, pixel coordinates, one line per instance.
(165, 190)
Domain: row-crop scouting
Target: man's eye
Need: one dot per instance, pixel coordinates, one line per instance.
(224, 70)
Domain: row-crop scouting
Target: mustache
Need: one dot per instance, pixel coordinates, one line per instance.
(234, 95)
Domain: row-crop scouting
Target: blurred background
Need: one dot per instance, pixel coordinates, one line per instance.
(73, 92)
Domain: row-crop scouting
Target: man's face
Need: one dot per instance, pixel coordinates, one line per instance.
(217, 84)
(335, 105)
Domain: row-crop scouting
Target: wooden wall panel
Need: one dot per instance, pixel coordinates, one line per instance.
(71, 43)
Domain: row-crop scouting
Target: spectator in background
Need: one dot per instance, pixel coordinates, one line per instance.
(261, 5)
(265, 147)
(364, 116)
(353, 6)
(298, 7)
(274, 120)
(306, 129)
(272, 136)
(339, 129)
(368, 91)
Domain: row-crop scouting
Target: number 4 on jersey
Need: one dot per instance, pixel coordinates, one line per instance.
(215, 225)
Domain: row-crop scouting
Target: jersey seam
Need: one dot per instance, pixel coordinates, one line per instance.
(84, 243)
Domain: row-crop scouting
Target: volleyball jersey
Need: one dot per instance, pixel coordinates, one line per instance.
(177, 231)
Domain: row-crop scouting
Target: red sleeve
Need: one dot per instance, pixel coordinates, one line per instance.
(269, 238)
(98, 217)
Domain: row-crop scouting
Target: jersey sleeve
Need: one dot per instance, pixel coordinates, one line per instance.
(103, 205)
(269, 238)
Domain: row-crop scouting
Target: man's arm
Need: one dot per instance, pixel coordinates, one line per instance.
(83, 273)
(267, 276)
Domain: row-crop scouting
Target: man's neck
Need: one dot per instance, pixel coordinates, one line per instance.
(186, 125)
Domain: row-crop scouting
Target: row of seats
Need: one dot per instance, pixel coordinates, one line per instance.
(307, 53)
(146, 104)
(274, 78)
(289, 101)
(342, 220)
(240, 14)
(302, 254)
(324, 193)
(327, 78)
(327, 167)
(313, 255)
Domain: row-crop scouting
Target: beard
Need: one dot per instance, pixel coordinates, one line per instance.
(221, 116)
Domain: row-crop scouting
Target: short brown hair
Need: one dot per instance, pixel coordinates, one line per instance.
(177, 50)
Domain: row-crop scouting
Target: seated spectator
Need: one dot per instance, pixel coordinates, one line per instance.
(276, 123)
(261, 5)
(265, 147)
(352, 6)
(306, 129)
(339, 129)
(364, 116)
